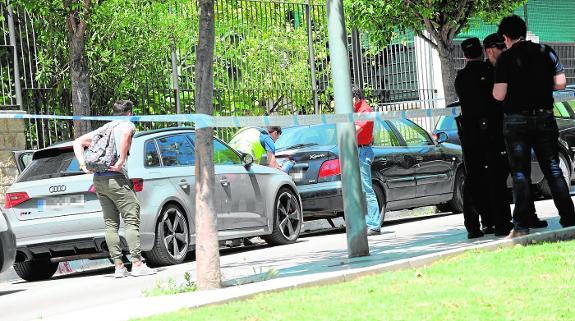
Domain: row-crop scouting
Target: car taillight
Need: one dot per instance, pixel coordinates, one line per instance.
(329, 168)
(92, 189)
(138, 184)
(13, 199)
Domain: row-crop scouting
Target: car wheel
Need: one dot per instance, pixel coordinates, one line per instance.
(544, 187)
(380, 200)
(172, 238)
(288, 219)
(456, 203)
(35, 270)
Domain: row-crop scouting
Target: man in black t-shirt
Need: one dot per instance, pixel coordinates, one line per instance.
(526, 75)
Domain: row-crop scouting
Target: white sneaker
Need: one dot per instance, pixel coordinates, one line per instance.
(121, 272)
(142, 270)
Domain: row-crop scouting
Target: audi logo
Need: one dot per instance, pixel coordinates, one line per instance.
(57, 188)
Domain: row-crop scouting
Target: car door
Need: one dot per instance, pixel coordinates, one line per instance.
(433, 169)
(243, 203)
(392, 164)
(178, 166)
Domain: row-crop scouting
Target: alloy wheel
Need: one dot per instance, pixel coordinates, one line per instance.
(288, 216)
(175, 233)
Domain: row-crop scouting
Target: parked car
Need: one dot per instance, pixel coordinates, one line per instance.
(410, 168)
(564, 114)
(56, 215)
(7, 243)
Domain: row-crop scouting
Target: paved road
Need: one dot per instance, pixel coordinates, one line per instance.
(322, 252)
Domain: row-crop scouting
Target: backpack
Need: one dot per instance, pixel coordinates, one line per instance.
(101, 153)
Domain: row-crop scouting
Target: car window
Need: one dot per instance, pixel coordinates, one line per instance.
(307, 136)
(176, 150)
(560, 111)
(151, 157)
(446, 123)
(383, 136)
(223, 155)
(411, 133)
(51, 163)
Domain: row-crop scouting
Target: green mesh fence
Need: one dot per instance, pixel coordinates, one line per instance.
(550, 20)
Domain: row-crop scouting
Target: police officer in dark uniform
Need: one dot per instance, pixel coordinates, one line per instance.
(481, 134)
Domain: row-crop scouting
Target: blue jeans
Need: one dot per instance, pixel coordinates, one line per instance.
(538, 131)
(373, 216)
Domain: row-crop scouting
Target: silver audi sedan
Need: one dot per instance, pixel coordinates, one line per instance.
(56, 215)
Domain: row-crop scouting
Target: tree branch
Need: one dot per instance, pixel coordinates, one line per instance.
(427, 39)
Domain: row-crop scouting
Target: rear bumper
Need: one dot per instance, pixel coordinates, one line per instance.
(321, 198)
(7, 250)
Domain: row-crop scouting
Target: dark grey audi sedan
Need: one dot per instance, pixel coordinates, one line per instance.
(410, 168)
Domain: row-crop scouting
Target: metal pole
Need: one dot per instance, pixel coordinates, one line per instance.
(357, 57)
(17, 86)
(175, 82)
(311, 57)
(354, 208)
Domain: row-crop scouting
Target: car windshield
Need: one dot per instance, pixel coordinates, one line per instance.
(53, 163)
(298, 137)
(446, 123)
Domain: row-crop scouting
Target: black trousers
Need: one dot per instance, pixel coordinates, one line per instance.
(485, 193)
(539, 132)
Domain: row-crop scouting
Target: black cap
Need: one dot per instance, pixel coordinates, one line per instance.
(471, 48)
(493, 40)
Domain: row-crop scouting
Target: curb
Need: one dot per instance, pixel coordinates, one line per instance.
(144, 307)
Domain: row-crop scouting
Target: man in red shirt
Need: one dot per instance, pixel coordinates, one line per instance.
(364, 130)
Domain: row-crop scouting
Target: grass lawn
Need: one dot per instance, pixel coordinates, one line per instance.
(523, 283)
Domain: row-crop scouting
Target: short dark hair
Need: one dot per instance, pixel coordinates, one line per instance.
(357, 92)
(471, 48)
(272, 129)
(513, 27)
(122, 107)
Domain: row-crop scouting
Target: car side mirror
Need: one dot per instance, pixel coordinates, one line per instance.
(442, 137)
(247, 159)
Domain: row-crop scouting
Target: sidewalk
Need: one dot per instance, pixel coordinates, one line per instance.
(402, 246)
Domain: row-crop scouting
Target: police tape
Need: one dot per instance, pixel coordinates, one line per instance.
(203, 120)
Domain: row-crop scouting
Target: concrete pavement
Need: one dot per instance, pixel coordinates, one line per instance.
(311, 261)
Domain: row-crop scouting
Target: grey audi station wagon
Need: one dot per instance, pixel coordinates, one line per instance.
(56, 215)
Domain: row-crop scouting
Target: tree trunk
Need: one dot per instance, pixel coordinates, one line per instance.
(79, 74)
(448, 72)
(207, 247)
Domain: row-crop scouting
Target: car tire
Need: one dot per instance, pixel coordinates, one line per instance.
(544, 187)
(455, 205)
(381, 201)
(288, 219)
(172, 238)
(36, 270)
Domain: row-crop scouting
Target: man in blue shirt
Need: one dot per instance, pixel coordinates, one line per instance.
(257, 142)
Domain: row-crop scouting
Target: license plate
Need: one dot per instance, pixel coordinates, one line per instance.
(60, 202)
(296, 175)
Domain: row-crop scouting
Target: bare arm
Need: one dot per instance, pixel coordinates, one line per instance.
(272, 160)
(559, 81)
(125, 144)
(500, 91)
(79, 144)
